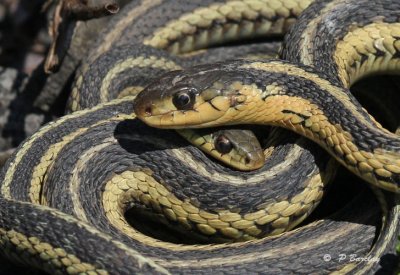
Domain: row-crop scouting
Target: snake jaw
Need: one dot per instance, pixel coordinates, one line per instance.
(198, 96)
(179, 119)
(178, 108)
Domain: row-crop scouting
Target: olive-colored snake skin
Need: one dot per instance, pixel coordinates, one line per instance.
(125, 70)
(294, 97)
(95, 164)
(301, 99)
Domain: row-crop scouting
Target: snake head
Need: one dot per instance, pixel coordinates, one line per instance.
(241, 147)
(191, 97)
(238, 148)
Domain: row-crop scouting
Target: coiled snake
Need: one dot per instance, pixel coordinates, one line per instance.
(69, 160)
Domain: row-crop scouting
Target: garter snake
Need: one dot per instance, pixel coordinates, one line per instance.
(125, 70)
(97, 144)
(71, 158)
(146, 63)
(138, 25)
(296, 97)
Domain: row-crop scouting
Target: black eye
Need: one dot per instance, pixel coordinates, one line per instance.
(183, 100)
(223, 144)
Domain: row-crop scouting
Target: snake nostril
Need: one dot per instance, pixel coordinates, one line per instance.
(247, 160)
(148, 110)
(112, 8)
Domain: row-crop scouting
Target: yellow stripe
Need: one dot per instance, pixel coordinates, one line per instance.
(113, 35)
(203, 18)
(75, 180)
(204, 171)
(309, 33)
(130, 91)
(292, 70)
(140, 186)
(54, 256)
(139, 62)
(9, 175)
(274, 253)
(62, 217)
(366, 41)
(40, 171)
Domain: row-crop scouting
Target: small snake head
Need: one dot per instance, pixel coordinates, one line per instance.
(194, 97)
(241, 147)
(238, 148)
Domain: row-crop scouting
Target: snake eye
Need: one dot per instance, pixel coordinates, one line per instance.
(183, 100)
(223, 144)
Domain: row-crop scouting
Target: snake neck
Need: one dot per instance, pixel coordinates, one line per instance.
(357, 43)
(347, 132)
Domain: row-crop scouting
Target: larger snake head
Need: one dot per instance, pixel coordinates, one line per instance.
(198, 97)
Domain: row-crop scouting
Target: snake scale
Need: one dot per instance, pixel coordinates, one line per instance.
(93, 165)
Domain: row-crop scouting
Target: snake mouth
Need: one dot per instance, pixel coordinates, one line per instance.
(167, 119)
(175, 119)
(161, 113)
(153, 115)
